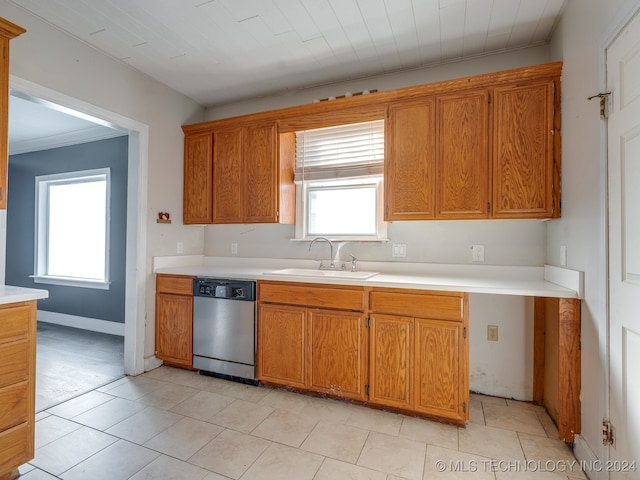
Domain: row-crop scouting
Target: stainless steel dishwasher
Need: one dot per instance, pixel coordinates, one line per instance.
(224, 326)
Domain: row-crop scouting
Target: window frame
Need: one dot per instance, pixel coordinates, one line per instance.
(41, 240)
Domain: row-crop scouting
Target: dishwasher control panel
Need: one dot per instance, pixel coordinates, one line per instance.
(224, 288)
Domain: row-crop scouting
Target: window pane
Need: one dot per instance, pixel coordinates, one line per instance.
(77, 230)
(342, 211)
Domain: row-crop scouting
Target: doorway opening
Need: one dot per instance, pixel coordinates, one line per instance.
(133, 255)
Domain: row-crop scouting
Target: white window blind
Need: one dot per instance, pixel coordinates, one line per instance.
(342, 152)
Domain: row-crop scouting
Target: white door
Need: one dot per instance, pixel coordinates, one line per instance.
(623, 80)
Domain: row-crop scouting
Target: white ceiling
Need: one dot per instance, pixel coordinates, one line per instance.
(223, 51)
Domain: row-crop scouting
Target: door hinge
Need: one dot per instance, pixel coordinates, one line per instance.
(605, 103)
(366, 389)
(464, 332)
(367, 323)
(608, 433)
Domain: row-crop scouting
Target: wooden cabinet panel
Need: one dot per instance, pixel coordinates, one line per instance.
(439, 371)
(391, 361)
(178, 284)
(421, 304)
(282, 345)
(174, 328)
(227, 179)
(312, 295)
(15, 362)
(523, 148)
(410, 154)
(338, 353)
(13, 401)
(16, 447)
(462, 166)
(260, 174)
(198, 178)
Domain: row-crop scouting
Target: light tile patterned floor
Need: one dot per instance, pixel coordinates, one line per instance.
(172, 424)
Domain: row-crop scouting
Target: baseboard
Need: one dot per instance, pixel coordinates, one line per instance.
(151, 363)
(85, 323)
(588, 460)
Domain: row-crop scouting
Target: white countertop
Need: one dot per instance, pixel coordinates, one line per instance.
(546, 281)
(10, 294)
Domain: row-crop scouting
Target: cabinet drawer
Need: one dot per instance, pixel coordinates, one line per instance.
(14, 320)
(13, 405)
(16, 447)
(445, 307)
(179, 284)
(312, 295)
(15, 362)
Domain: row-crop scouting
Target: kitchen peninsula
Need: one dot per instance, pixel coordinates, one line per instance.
(556, 291)
(17, 376)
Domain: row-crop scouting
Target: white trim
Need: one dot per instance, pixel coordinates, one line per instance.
(136, 260)
(571, 279)
(85, 323)
(587, 458)
(71, 282)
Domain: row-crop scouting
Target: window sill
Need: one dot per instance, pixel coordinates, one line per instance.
(71, 282)
(342, 239)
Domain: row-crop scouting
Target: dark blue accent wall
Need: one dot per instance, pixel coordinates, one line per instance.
(84, 302)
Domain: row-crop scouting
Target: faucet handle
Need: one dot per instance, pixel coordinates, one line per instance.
(353, 263)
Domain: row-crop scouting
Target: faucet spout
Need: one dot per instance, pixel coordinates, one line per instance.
(324, 239)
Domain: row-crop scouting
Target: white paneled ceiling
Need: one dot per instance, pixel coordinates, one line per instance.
(222, 51)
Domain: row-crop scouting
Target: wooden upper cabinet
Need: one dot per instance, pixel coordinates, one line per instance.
(241, 174)
(410, 156)
(198, 178)
(8, 31)
(525, 184)
(227, 176)
(260, 166)
(462, 166)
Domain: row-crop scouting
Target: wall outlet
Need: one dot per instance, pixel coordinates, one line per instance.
(399, 250)
(477, 253)
(234, 249)
(180, 247)
(492, 333)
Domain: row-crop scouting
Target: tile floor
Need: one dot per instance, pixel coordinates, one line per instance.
(175, 424)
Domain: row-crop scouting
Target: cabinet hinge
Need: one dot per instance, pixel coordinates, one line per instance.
(367, 323)
(553, 86)
(277, 213)
(464, 332)
(608, 433)
(489, 98)
(489, 207)
(464, 407)
(366, 389)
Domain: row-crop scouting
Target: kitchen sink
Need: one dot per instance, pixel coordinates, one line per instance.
(313, 272)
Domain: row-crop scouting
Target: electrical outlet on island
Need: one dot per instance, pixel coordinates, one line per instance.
(477, 253)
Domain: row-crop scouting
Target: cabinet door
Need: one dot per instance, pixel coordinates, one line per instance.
(174, 328)
(440, 368)
(462, 167)
(523, 141)
(338, 353)
(410, 153)
(281, 337)
(198, 178)
(260, 174)
(227, 180)
(391, 360)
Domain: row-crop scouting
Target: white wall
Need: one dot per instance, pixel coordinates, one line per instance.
(49, 58)
(578, 41)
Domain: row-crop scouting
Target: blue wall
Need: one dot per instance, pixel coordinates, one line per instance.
(85, 302)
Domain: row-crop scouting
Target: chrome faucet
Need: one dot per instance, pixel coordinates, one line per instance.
(354, 266)
(332, 265)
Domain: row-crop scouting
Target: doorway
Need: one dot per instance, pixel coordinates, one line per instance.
(136, 264)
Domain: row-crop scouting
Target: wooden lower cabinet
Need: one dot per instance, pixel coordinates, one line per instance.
(413, 356)
(337, 346)
(17, 386)
(174, 320)
(390, 359)
(282, 345)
